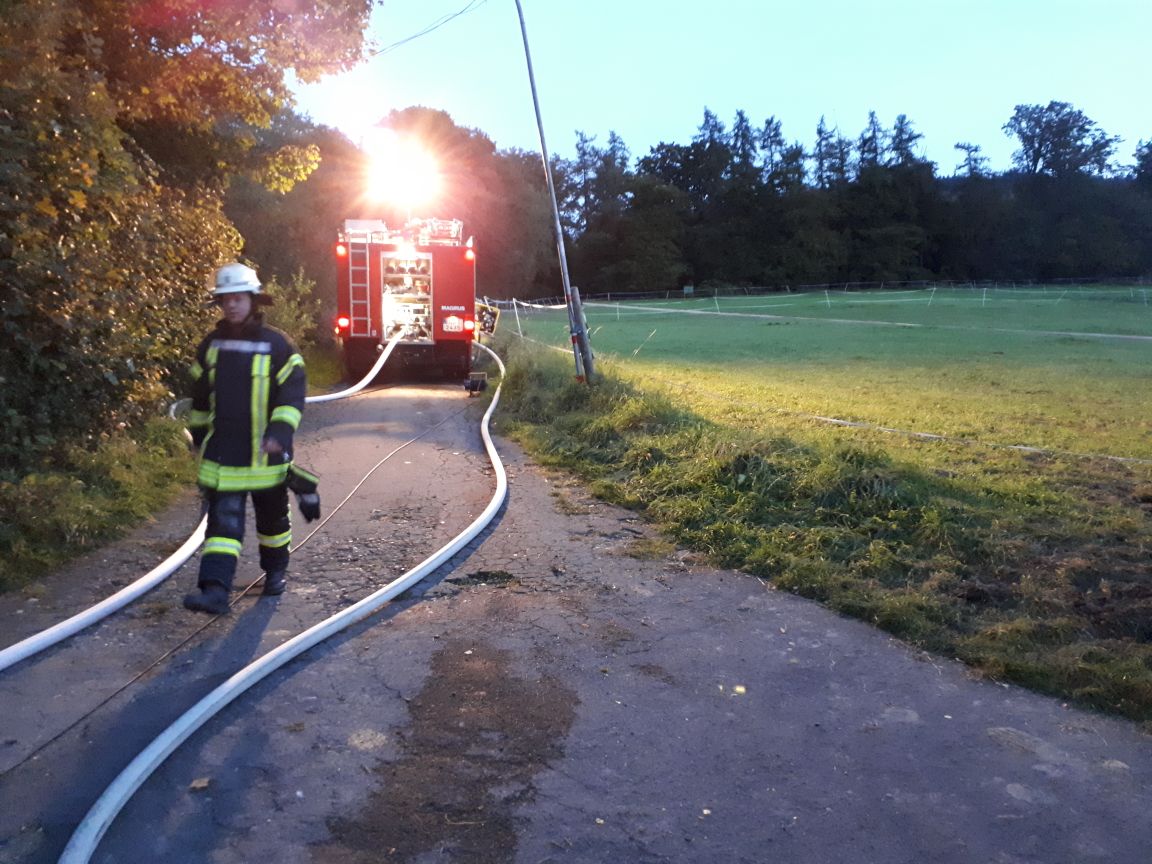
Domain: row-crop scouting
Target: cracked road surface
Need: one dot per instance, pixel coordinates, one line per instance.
(551, 695)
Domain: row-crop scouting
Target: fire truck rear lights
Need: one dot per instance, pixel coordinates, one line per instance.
(341, 250)
(412, 283)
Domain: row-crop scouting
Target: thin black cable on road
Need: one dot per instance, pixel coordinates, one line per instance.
(212, 621)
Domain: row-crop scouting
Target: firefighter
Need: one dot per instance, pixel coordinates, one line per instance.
(247, 399)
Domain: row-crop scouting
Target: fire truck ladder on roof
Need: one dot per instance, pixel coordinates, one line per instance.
(360, 305)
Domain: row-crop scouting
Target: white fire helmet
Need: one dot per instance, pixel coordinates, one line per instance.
(234, 278)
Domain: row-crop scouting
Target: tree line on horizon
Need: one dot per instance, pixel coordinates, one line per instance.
(745, 206)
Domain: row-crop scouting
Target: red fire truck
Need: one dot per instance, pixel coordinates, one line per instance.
(418, 281)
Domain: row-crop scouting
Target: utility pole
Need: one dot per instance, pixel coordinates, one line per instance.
(581, 349)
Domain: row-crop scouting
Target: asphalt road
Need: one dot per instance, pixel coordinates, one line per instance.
(548, 696)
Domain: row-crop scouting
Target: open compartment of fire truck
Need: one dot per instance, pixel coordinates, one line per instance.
(406, 302)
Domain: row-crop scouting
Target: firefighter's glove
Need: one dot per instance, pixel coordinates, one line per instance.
(309, 503)
(304, 483)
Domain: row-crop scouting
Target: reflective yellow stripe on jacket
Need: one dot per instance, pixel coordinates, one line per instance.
(228, 478)
(261, 366)
(293, 362)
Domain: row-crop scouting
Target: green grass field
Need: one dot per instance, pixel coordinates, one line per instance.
(970, 470)
(1064, 369)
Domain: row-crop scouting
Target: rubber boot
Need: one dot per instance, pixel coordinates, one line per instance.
(211, 599)
(275, 582)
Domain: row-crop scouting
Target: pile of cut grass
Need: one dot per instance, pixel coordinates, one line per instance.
(987, 555)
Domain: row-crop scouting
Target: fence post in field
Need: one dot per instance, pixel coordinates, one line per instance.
(581, 337)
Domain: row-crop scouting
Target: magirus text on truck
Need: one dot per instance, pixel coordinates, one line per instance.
(418, 280)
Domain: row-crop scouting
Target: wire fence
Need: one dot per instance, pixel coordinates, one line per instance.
(1095, 288)
(957, 313)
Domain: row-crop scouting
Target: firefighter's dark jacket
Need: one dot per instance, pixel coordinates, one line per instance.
(248, 384)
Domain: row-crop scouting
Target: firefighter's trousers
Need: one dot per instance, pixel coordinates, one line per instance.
(225, 536)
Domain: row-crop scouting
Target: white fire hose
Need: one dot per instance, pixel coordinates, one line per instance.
(99, 818)
(47, 638)
(57, 633)
(366, 380)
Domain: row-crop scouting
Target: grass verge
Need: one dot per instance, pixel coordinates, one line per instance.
(91, 496)
(1028, 567)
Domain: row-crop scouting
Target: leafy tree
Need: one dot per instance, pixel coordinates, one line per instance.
(711, 130)
(119, 124)
(287, 232)
(516, 242)
(577, 202)
(790, 172)
(975, 236)
(1058, 140)
(97, 305)
(887, 215)
(771, 145)
(593, 183)
(1143, 171)
(612, 186)
(832, 156)
(192, 80)
(782, 164)
(841, 166)
(597, 187)
(695, 168)
(744, 147)
(641, 249)
(974, 165)
(710, 159)
(296, 309)
(872, 144)
(904, 139)
(812, 246)
(669, 163)
(823, 155)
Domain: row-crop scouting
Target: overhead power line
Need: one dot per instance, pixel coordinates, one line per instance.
(435, 25)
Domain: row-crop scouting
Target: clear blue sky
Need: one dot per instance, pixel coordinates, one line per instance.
(647, 69)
